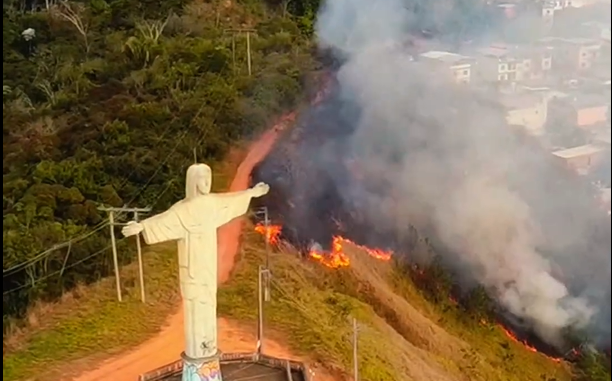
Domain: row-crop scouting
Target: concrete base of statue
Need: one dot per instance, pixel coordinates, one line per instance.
(204, 369)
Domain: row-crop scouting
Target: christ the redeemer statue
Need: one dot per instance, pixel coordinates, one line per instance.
(193, 223)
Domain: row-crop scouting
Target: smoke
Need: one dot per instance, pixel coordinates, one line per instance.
(509, 218)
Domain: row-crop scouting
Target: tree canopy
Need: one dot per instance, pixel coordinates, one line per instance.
(105, 103)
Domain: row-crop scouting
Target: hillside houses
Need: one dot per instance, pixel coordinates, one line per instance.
(458, 67)
(507, 63)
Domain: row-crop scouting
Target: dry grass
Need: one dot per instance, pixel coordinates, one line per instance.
(89, 321)
(402, 335)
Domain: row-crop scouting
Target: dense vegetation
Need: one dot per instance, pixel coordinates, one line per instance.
(106, 103)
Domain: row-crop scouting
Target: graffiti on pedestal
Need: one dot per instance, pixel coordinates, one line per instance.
(209, 371)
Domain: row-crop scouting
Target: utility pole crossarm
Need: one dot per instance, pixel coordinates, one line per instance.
(124, 209)
(239, 30)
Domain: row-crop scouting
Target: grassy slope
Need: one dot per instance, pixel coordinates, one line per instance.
(90, 323)
(312, 306)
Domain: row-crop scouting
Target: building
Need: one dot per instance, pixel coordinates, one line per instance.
(526, 110)
(596, 30)
(581, 158)
(557, 5)
(506, 63)
(585, 111)
(458, 67)
(573, 54)
(507, 10)
(547, 15)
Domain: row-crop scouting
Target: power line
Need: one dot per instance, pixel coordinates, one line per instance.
(179, 141)
(56, 272)
(102, 225)
(39, 257)
(127, 178)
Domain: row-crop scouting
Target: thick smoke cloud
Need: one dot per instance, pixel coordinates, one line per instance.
(509, 217)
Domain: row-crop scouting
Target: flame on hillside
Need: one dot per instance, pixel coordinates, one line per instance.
(335, 258)
(530, 348)
(271, 232)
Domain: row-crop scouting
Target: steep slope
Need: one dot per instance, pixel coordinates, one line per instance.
(402, 335)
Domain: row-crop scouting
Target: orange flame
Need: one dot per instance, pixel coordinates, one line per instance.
(271, 232)
(513, 337)
(336, 258)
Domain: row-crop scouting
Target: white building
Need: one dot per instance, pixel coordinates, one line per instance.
(459, 67)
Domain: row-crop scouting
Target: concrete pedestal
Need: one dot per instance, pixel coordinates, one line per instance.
(206, 369)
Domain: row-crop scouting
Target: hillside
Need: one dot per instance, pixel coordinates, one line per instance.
(403, 333)
(107, 102)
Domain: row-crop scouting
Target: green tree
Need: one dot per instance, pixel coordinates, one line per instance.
(106, 105)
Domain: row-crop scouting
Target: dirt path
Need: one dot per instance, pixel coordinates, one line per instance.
(168, 344)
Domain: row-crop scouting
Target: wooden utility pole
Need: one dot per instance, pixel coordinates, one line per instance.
(233, 51)
(264, 211)
(111, 220)
(248, 45)
(355, 352)
(263, 274)
(267, 277)
(248, 33)
(140, 262)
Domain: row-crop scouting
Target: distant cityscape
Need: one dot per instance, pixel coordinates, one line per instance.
(555, 85)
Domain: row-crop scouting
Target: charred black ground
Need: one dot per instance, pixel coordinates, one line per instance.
(305, 200)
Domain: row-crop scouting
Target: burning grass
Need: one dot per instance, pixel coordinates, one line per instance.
(334, 258)
(402, 334)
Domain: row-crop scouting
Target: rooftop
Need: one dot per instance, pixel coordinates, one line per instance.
(239, 367)
(520, 101)
(585, 100)
(502, 50)
(571, 41)
(585, 150)
(448, 57)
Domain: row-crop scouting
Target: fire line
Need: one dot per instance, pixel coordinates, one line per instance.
(335, 258)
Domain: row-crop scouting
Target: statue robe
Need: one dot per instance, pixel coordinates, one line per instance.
(193, 223)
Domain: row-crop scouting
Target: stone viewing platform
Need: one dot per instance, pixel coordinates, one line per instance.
(240, 367)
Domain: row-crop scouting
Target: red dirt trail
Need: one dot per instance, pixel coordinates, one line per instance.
(166, 346)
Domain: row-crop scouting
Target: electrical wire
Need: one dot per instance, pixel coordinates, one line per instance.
(39, 257)
(56, 272)
(46, 253)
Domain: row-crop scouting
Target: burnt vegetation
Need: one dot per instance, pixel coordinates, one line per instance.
(304, 199)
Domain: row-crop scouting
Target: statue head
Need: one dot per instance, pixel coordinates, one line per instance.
(198, 181)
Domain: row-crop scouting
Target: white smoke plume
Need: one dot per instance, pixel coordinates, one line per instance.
(452, 160)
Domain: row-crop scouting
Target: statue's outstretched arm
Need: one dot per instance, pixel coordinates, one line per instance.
(163, 227)
(230, 205)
